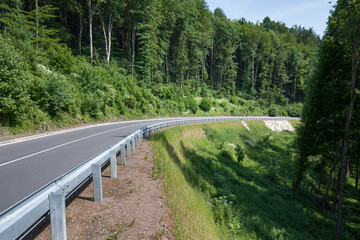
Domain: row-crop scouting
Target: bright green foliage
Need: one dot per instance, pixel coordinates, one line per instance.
(273, 112)
(205, 105)
(14, 80)
(191, 104)
(61, 59)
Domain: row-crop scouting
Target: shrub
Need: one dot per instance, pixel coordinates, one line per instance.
(240, 152)
(191, 104)
(61, 59)
(273, 111)
(294, 110)
(234, 100)
(130, 101)
(205, 104)
(14, 81)
(53, 94)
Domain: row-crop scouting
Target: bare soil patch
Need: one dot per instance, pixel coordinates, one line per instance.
(133, 205)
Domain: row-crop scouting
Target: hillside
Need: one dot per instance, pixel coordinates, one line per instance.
(155, 58)
(226, 182)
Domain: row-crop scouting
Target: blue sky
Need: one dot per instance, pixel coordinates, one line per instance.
(307, 13)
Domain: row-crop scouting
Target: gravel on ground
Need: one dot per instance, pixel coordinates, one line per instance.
(133, 206)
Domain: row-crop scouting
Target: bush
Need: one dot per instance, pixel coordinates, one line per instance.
(130, 101)
(234, 100)
(53, 94)
(273, 111)
(14, 81)
(294, 110)
(61, 59)
(191, 104)
(240, 152)
(205, 104)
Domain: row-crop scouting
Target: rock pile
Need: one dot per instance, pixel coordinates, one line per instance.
(279, 126)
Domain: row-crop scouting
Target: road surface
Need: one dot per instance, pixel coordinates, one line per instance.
(26, 166)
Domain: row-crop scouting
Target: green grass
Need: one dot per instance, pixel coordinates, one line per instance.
(212, 196)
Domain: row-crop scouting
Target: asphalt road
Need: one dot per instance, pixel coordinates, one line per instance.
(27, 166)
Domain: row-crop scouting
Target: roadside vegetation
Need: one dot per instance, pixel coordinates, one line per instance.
(225, 182)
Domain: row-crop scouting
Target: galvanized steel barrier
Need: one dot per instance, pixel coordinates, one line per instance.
(21, 217)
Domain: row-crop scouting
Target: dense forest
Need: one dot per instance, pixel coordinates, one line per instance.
(70, 61)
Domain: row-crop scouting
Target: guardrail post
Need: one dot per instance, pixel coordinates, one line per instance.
(57, 215)
(97, 186)
(128, 150)
(113, 164)
(139, 135)
(146, 132)
(136, 140)
(133, 143)
(122, 154)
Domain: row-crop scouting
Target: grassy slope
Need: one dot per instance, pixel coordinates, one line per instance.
(213, 196)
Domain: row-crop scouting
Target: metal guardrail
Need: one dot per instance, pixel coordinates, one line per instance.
(18, 219)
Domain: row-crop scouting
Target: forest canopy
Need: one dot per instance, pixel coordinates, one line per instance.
(69, 61)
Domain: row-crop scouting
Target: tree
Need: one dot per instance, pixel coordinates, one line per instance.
(91, 9)
(108, 12)
(350, 12)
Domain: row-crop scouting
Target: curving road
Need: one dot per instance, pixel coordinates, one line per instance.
(28, 164)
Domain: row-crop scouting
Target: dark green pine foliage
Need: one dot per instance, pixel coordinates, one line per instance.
(327, 139)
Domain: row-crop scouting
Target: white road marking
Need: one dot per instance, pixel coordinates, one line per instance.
(61, 145)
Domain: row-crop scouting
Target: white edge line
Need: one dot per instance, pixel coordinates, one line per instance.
(61, 145)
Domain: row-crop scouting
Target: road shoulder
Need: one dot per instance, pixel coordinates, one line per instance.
(133, 206)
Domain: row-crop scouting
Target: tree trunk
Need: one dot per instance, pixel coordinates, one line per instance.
(167, 67)
(182, 80)
(243, 88)
(252, 73)
(107, 35)
(294, 93)
(202, 71)
(3, 26)
(321, 171)
(90, 29)
(36, 24)
(354, 65)
(104, 31)
(81, 28)
(336, 190)
(133, 32)
(300, 172)
(256, 74)
(110, 26)
(212, 63)
(331, 172)
(357, 173)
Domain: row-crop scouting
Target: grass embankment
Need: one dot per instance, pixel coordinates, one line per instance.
(212, 196)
